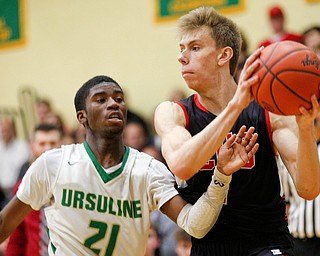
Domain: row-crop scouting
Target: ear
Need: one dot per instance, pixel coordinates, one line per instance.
(225, 55)
(82, 116)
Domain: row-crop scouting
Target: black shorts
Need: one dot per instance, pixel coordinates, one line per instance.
(276, 245)
(307, 246)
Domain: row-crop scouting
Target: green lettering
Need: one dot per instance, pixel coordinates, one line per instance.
(66, 197)
(78, 199)
(137, 209)
(119, 207)
(111, 211)
(127, 209)
(102, 203)
(90, 201)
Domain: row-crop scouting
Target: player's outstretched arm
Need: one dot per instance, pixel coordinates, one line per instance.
(295, 140)
(11, 216)
(199, 218)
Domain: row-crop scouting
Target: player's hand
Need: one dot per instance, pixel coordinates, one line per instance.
(247, 79)
(306, 119)
(237, 151)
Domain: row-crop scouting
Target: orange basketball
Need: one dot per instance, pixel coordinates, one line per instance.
(289, 74)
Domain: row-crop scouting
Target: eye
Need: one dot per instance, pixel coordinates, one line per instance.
(195, 48)
(101, 100)
(119, 99)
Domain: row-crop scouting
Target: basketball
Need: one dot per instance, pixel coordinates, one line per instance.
(289, 73)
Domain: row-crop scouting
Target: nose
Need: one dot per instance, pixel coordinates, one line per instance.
(182, 58)
(112, 103)
(47, 146)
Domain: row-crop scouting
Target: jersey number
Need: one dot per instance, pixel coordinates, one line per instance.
(102, 230)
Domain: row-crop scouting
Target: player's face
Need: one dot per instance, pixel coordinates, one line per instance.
(198, 57)
(106, 109)
(45, 140)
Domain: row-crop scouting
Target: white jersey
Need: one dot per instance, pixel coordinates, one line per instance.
(90, 211)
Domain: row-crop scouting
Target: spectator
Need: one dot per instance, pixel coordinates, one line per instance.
(134, 117)
(136, 135)
(47, 115)
(43, 109)
(177, 94)
(57, 120)
(154, 241)
(78, 134)
(183, 243)
(277, 22)
(30, 238)
(154, 152)
(13, 153)
(167, 229)
(312, 39)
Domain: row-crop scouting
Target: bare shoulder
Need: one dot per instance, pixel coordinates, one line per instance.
(167, 115)
(169, 109)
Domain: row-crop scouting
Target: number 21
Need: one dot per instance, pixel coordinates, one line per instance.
(102, 230)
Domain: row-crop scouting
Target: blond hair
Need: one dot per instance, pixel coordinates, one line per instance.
(223, 30)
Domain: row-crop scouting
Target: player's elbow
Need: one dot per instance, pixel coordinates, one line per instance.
(197, 233)
(181, 172)
(308, 194)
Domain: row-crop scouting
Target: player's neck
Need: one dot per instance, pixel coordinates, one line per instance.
(217, 97)
(108, 153)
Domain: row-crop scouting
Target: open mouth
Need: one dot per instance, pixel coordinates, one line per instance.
(115, 117)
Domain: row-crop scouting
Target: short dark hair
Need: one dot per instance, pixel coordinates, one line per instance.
(313, 28)
(47, 127)
(82, 93)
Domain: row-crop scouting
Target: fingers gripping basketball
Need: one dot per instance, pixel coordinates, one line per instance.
(288, 76)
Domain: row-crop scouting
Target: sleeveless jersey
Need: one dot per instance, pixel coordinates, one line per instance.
(90, 211)
(254, 204)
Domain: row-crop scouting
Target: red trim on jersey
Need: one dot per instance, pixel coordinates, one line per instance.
(199, 105)
(269, 129)
(185, 113)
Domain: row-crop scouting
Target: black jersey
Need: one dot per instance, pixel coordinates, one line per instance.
(254, 205)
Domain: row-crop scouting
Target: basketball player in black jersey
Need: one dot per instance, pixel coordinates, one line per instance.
(252, 220)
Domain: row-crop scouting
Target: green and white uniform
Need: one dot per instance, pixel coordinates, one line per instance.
(90, 210)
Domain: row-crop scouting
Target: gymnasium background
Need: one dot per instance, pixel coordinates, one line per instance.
(57, 45)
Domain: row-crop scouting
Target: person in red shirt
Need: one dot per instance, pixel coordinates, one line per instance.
(31, 238)
(277, 21)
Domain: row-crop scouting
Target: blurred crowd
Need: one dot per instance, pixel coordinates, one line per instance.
(165, 238)
(17, 153)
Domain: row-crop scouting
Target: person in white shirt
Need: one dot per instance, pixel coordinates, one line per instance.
(14, 152)
(99, 195)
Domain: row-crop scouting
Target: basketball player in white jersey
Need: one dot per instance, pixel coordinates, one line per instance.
(99, 194)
